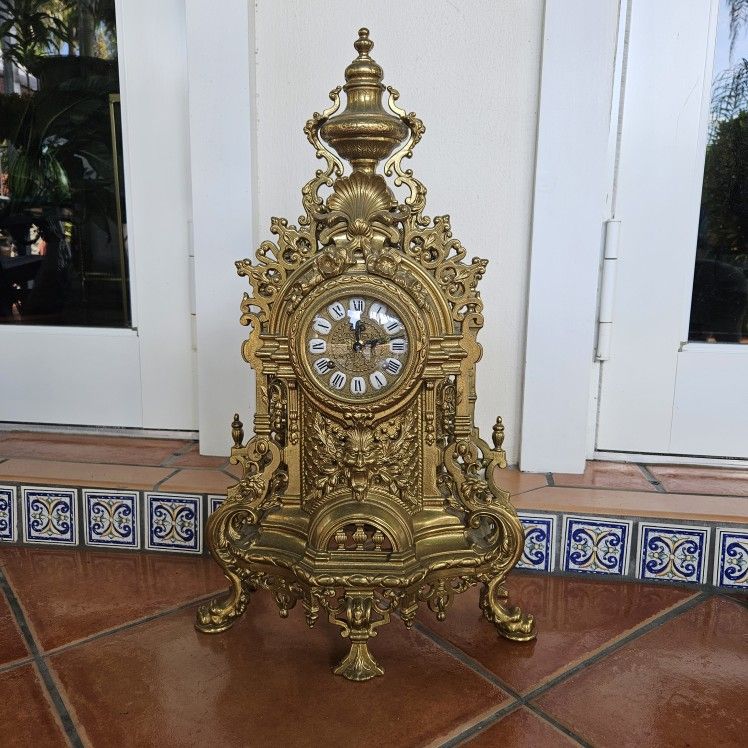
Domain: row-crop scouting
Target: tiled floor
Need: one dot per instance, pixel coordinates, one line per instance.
(98, 649)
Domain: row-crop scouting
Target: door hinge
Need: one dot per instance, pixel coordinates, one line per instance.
(607, 290)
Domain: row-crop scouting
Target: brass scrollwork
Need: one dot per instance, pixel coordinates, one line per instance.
(360, 508)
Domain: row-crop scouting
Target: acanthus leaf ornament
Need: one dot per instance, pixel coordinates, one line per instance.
(366, 488)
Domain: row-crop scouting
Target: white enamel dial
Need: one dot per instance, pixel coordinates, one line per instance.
(357, 347)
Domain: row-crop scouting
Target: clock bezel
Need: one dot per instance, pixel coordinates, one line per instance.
(355, 284)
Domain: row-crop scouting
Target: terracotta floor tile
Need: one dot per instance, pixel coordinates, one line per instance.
(52, 472)
(71, 594)
(123, 450)
(12, 645)
(599, 474)
(689, 507)
(689, 479)
(198, 481)
(516, 482)
(266, 682)
(575, 617)
(682, 684)
(26, 715)
(521, 729)
(193, 458)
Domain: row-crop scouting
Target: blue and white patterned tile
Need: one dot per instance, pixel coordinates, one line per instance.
(540, 532)
(110, 518)
(173, 522)
(731, 558)
(214, 502)
(8, 523)
(672, 552)
(594, 545)
(50, 515)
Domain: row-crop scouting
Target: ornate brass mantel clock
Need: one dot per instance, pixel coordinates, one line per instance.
(366, 488)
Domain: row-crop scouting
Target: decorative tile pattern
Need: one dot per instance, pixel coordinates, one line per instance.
(731, 558)
(594, 545)
(672, 552)
(8, 522)
(540, 531)
(174, 522)
(50, 515)
(111, 518)
(214, 502)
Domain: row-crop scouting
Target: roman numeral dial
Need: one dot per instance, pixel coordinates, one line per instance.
(357, 347)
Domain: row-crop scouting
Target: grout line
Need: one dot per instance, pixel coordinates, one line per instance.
(159, 483)
(13, 664)
(524, 493)
(455, 652)
(479, 727)
(691, 587)
(657, 489)
(633, 635)
(177, 453)
(54, 694)
(59, 704)
(486, 674)
(651, 478)
(734, 596)
(130, 624)
(538, 712)
(525, 699)
(17, 610)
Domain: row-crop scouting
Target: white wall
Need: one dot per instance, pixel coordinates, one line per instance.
(220, 61)
(572, 199)
(471, 72)
(153, 84)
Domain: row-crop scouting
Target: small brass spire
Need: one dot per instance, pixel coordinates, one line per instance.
(364, 134)
(237, 431)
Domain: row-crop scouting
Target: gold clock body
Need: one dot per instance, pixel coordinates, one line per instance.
(359, 504)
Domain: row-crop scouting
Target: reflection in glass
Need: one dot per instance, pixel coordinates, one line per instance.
(719, 305)
(62, 240)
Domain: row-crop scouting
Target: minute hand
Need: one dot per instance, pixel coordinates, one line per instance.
(377, 341)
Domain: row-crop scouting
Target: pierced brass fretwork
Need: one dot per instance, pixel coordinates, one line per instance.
(366, 489)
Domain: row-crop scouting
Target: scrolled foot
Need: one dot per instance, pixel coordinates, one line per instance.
(221, 612)
(509, 620)
(358, 664)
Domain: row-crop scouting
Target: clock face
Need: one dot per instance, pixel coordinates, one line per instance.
(357, 347)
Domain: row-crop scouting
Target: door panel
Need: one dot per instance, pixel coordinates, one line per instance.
(141, 375)
(70, 377)
(660, 394)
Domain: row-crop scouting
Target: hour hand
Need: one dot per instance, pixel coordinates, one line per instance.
(357, 344)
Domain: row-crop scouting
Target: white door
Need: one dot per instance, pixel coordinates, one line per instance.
(675, 381)
(128, 361)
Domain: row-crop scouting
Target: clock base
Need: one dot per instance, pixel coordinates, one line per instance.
(360, 559)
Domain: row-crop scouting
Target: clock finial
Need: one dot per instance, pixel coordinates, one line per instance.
(364, 134)
(363, 44)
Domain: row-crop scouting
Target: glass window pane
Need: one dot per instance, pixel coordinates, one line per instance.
(719, 305)
(63, 253)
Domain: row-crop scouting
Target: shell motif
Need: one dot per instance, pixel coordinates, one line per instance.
(361, 197)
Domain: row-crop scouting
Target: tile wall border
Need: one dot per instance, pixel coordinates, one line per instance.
(544, 544)
(111, 519)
